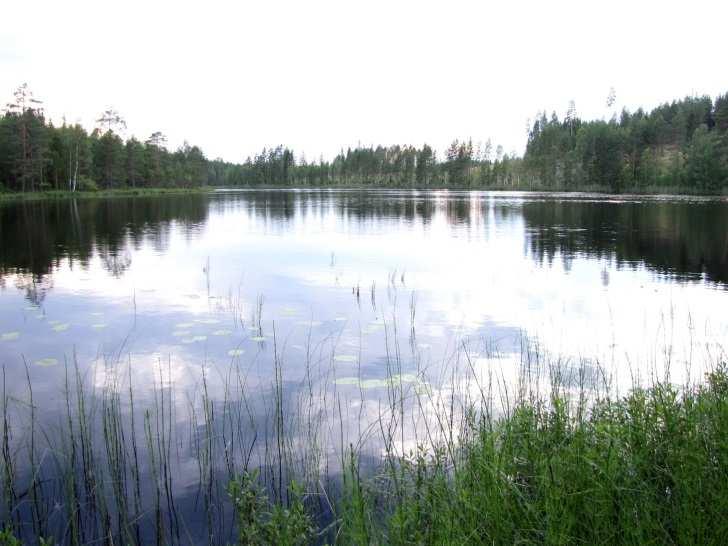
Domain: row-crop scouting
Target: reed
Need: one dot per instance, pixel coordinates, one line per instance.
(461, 456)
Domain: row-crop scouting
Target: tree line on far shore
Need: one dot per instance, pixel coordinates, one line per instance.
(681, 145)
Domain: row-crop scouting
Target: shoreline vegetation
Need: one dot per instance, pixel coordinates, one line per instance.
(654, 191)
(677, 148)
(557, 458)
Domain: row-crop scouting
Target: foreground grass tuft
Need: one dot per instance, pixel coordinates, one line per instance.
(651, 468)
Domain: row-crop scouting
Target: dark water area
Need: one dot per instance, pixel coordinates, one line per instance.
(305, 304)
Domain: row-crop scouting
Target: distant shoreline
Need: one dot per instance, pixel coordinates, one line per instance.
(653, 191)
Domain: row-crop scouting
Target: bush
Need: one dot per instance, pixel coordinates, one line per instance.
(261, 523)
(87, 184)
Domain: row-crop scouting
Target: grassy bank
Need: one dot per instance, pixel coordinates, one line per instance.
(119, 192)
(141, 192)
(651, 468)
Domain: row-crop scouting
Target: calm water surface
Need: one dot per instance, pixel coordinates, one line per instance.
(335, 286)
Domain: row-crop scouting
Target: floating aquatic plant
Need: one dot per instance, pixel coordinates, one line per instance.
(347, 381)
(46, 362)
(345, 358)
(310, 323)
(9, 336)
(194, 339)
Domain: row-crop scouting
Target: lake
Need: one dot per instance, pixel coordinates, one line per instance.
(276, 328)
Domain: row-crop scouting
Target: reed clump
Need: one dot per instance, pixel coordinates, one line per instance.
(648, 468)
(549, 461)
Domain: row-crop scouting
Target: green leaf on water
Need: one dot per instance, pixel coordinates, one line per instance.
(309, 323)
(46, 362)
(347, 381)
(61, 327)
(405, 378)
(345, 358)
(194, 339)
(373, 384)
(9, 336)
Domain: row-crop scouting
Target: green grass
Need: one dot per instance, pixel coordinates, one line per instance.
(551, 460)
(651, 468)
(133, 192)
(119, 192)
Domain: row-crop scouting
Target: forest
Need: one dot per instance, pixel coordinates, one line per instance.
(680, 146)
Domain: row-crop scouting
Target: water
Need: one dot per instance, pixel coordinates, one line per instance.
(340, 290)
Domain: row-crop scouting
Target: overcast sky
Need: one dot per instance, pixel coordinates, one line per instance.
(317, 76)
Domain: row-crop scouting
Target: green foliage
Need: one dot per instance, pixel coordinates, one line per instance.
(261, 523)
(642, 150)
(599, 149)
(7, 538)
(706, 165)
(648, 469)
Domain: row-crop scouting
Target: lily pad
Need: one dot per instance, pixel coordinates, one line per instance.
(346, 358)
(309, 323)
(373, 384)
(61, 327)
(54, 322)
(347, 381)
(222, 332)
(46, 362)
(405, 378)
(235, 352)
(194, 339)
(9, 336)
